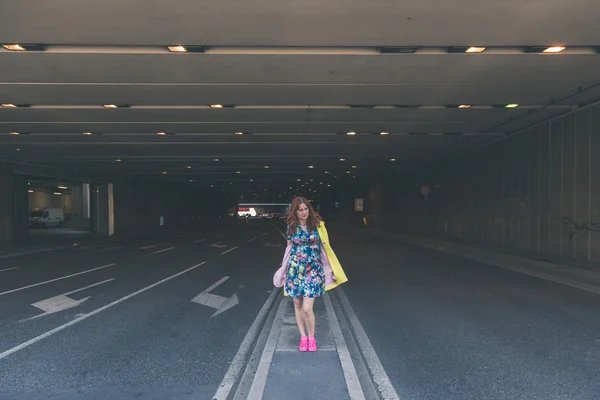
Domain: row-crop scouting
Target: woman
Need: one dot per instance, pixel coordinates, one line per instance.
(309, 267)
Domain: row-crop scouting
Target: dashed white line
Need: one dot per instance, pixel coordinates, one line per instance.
(112, 248)
(86, 316)
(252, 240)
(57, 279)
(199, 240)
(8, 269)
(34, 252)
(160, 251)
(231, 249)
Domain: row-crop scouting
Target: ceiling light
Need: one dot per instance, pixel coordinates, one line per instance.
(161, 133)
(58, 194)
(191, 180)
(239, 133)
(554, 49)
(118, 160)
(311, 166)
(342, 159)
(326, 172)
(216, 106)
(512, 105)
(351, 133)
(215, 159)
(24, 47)
(189, 167)
(177, 49)
(63, 187)
(355, 166)
(464, 106)
(163, 173)
(30, 191)
(328, 185)
(110, 106)
(475, 49)
(14, 133)
(384, 133)
(88, 133)
(17, 149)
(237, 172)
(13, 47)
(392, 159)
(9, 106)
(298, 180)
(266, 167)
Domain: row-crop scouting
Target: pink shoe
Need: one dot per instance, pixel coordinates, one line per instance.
(312, 344)
(303, 344)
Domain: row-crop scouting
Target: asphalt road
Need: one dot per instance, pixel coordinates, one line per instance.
(443, 327)
(157, 344)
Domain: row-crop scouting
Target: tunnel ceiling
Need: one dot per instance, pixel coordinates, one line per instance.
(97, 82)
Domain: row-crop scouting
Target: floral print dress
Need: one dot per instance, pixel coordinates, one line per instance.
(305, 276)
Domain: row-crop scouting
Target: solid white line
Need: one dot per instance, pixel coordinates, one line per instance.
(380, 377)
(57, 279)
(160, 251)
(262, 371)
(355, 391)
(86, 316)
(199, 240)
(227, 251)
(34, 252)
(8, 269)
(237, 365)
(252, 240)
(87, 287)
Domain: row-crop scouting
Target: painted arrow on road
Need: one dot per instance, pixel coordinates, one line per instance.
(220, 303)
(61, 302)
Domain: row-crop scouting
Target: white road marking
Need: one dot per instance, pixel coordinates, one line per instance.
(57, 279)
(237, 365)
(86, 316)
(280, 231)
(222, 234)
(260, 378)
(355, 391)
(227, 251)
(199, 240)
(264, 234)
(147, 247)
(218, 245)
(252, 240)
(8, 269)
(112, 248)
(380, 377)
(160, 251)
(220, 303)
(62, 302)
(34, 252)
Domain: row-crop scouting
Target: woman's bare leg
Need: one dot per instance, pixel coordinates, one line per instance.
(309, 315)
(300, 320)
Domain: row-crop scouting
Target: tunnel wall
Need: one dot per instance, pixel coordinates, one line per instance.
(139, 206)
(535, 193)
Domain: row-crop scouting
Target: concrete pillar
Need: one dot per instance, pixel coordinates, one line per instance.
(102, 209)
(80, 195)
(14, 205)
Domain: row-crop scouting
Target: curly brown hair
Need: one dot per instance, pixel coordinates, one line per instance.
(292, 221)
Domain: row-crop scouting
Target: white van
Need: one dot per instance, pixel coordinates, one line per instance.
(47, 217)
